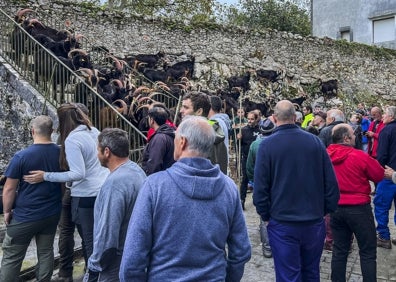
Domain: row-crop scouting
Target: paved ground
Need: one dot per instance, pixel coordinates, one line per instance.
(261, 269)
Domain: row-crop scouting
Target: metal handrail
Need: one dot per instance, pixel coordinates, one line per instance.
(58, 83)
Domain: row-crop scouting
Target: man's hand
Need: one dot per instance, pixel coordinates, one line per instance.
(388, 172)
(7, 217)
(369, 134)
(34, 176)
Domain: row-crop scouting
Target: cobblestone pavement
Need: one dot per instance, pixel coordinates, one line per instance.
(260, 269)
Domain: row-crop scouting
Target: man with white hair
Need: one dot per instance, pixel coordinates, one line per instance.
(187, 223)
(334, 117)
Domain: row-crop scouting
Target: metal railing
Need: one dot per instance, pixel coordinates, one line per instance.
(57, 81)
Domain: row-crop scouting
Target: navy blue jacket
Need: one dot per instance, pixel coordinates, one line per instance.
(386, 150)
(294, 180)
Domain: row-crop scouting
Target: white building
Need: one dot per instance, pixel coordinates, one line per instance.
(371, 22)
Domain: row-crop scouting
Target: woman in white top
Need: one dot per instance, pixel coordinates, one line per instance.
(82, 170)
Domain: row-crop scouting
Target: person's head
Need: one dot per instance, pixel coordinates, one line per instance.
(360, 106)
(215, 104)
(389, 115)
(195, 104)
(241, 113)
(112, 143)
(157, 115)
(376, 113)
(284, 113)
(299, 117)
(343, 134)
(161, 105)
(42, 126)
(334, 115)
(194, 138)
(307, 110)
(70, 117)
(83, 108)
(267, 126)
(252, 118)
(319, 119)
(355, 118)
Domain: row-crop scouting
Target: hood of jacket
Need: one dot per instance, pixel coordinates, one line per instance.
(223, 117)
(339, 152)
(197, 178)
(166, 129)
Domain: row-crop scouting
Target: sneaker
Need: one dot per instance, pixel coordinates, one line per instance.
(267, 253)
(393, 241)
(383, 243)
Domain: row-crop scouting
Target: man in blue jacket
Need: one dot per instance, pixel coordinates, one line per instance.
(187, 224)
(294, 188)
(386, 189)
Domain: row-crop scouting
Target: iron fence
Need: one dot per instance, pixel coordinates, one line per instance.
(57, 81)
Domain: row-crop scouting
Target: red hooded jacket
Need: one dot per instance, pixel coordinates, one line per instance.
(354, 168)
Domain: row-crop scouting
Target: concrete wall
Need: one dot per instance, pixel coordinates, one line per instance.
(329, 16)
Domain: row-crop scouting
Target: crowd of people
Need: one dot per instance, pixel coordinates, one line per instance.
(179, 216)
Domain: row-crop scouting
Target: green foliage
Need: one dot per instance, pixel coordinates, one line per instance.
(282, 15)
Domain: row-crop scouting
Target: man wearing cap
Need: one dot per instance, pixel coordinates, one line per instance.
(319, 120)
(266, 128)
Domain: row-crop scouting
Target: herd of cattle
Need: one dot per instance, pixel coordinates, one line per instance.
(132, 82)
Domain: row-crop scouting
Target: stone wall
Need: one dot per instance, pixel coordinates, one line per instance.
(364, 73)
(220, 52)
(19, 103)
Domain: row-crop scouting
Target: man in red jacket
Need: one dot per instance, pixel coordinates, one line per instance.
(374, 130)
(354, 169)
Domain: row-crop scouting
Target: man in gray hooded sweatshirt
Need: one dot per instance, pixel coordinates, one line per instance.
(186, 216)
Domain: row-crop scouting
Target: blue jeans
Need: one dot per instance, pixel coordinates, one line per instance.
(385, 195)
(296, 250)
(344, 222)
(16, 242)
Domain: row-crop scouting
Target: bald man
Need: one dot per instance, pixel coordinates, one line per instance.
(294, 188)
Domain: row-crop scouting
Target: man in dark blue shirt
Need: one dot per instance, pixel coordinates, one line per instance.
(36, 206)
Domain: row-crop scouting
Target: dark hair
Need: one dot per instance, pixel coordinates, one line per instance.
(70, 116)
(309, 108)
(199, 100)
(83, 108)
(215, 104)
(116, 140)
(159, 115)
(339, 133)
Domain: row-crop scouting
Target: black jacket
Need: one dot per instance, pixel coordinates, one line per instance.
(158, 154)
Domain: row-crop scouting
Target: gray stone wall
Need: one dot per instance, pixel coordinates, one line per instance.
(224, 51)
(364, 73)
(19, 103)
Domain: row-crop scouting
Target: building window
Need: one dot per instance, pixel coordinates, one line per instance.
(384, 30)
(345, 33)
